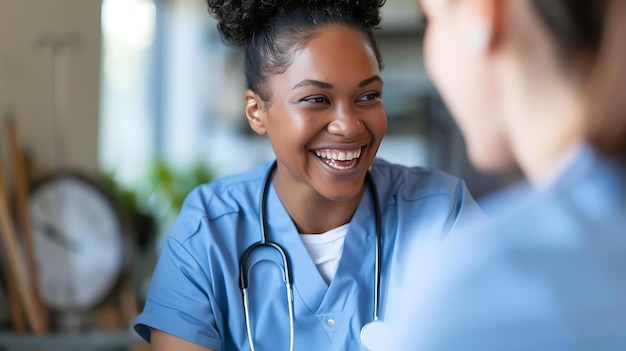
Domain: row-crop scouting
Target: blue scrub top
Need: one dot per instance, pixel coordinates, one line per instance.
(195, 294)
(548, 273)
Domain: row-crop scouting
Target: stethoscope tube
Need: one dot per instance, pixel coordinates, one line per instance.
(378, 258)
(245, 281)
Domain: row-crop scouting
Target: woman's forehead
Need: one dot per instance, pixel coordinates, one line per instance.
(338, 53)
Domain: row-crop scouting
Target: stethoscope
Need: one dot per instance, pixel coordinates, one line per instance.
(373, 334)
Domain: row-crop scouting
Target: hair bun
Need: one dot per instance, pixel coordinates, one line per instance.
(239, 20)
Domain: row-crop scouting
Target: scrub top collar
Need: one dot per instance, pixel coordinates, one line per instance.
(308, 283)
(587, 163)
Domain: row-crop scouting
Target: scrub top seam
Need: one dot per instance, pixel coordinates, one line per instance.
(458, 205)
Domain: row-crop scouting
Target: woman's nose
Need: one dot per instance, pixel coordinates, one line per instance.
(346, 122)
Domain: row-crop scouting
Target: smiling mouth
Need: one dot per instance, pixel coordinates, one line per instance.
(340, 159)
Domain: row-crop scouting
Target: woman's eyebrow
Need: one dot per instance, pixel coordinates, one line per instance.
(315, 83)
(368, 81)
(327, 86)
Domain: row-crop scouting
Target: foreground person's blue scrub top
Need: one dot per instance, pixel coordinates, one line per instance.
(195, 294)
(548, 274)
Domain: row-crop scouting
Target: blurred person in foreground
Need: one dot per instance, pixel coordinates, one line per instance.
(539, 85)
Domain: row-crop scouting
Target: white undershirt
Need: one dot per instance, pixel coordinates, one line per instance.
(326, 249)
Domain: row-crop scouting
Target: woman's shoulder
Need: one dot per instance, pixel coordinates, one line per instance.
(414, 182)
(229, 191)
(223, 197)
(588, 199)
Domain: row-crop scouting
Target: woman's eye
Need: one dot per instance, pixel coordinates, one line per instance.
(316, 99)
(371, 97)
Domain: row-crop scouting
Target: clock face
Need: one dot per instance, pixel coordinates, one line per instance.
(78, 242)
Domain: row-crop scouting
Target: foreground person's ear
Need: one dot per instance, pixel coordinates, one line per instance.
(488, 20)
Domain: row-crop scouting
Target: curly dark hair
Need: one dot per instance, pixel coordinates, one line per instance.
(272, 31)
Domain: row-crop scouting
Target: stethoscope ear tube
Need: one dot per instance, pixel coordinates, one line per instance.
(243, 277)
(244, 280)
(246, 304)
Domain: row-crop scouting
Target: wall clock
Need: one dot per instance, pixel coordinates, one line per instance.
(79, 241)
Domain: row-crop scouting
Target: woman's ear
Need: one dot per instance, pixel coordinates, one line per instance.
(254, 112)
(488, 24)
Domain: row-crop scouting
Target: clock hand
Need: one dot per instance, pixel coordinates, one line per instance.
(55, 235)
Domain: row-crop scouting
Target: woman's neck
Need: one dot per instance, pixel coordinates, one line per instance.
(545, 127)
(544, 150)
(314, 214)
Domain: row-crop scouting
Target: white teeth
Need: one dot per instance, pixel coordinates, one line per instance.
(339, 156)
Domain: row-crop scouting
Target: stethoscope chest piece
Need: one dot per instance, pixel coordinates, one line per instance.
(375, 336)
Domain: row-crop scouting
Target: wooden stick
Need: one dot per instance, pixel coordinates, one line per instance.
(17, 264)
(20, 182)
(17, 315)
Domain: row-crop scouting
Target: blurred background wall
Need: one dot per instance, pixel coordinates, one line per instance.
(30, 31)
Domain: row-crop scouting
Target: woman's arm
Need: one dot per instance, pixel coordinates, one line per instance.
(161, 341)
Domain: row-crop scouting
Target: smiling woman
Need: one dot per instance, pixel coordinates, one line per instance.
(316, 235)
